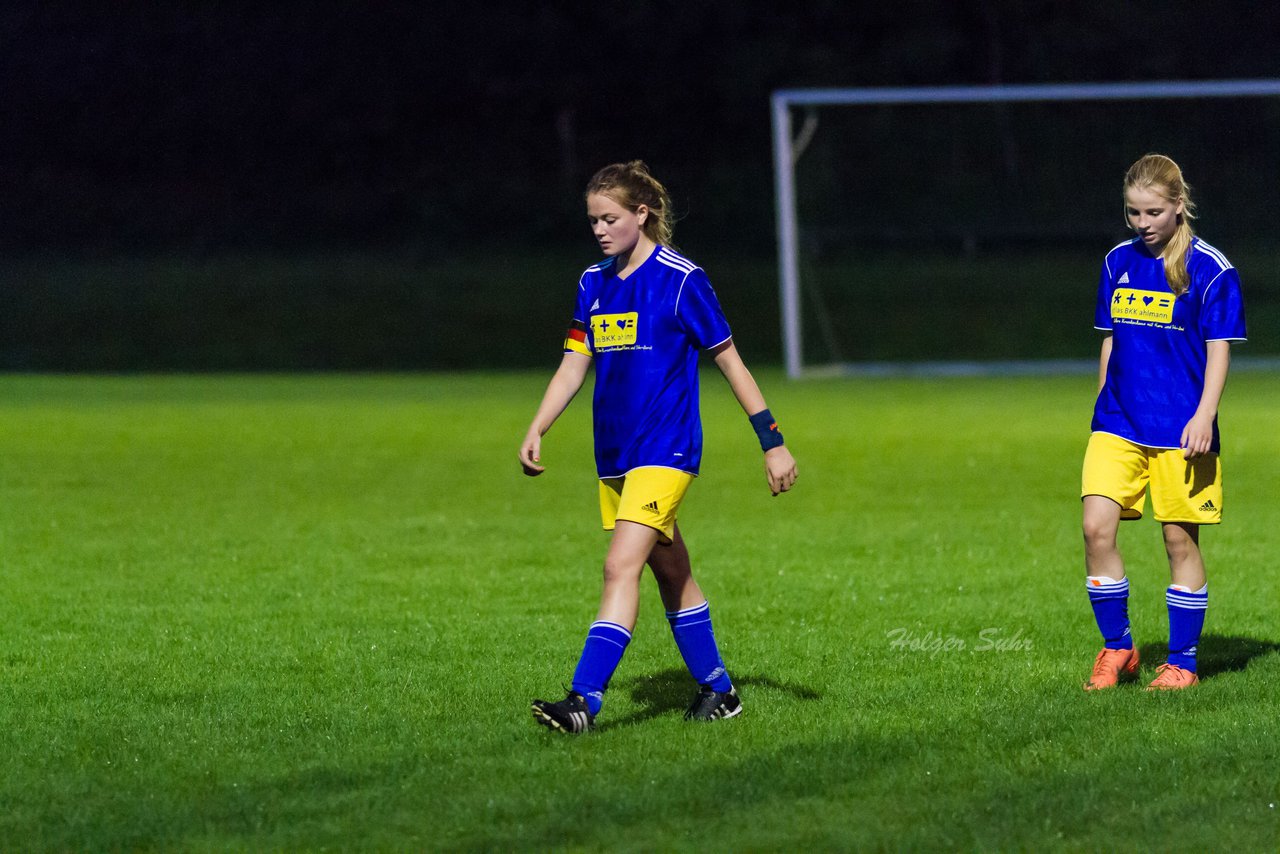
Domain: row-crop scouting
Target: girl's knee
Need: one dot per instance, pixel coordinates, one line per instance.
(1180, 550)
(618, 570)
(1099, 536)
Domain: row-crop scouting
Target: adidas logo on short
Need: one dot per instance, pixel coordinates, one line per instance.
(1207, 507)
(652, 507)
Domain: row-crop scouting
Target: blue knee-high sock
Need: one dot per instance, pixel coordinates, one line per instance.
(1110, 601)
(606, 642)
(697, 642)
(1186, 620)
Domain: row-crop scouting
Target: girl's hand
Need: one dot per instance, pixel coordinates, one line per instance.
(530, 452)
(779, 469)
(1197, 436)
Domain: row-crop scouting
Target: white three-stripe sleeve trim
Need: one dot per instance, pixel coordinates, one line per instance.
(1214, 253)
(671, 259)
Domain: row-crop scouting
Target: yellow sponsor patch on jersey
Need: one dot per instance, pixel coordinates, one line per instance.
(1151, 306)
(614, 330)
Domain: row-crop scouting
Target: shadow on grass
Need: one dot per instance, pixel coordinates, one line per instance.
(672, 690)
(1227, 653)
(1217, 653)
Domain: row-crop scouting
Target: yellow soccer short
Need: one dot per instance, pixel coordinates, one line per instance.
(649, 495)
(1182, 490)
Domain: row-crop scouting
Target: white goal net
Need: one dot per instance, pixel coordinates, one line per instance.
(965, 225)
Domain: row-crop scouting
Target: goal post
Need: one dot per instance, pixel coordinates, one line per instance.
(788, 148)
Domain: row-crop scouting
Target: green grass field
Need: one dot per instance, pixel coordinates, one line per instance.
(309, 612)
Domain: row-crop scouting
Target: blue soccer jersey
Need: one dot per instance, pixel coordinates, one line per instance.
(1155, 375)
(645, 333)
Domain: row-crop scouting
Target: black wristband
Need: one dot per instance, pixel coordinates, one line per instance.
(766, 429)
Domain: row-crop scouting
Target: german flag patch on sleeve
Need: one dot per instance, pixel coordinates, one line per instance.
(575, 340)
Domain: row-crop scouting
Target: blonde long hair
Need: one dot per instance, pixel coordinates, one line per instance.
(1160, 175)
(631, 185)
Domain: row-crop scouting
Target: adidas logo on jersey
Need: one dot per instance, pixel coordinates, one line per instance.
(1124, 279)
(1207, 507)
(652, 507)
(595, 305)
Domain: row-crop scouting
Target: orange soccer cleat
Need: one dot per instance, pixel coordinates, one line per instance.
(1171, 677)
(1111, 666)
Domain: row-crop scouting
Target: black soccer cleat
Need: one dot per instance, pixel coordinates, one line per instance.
(711, 705)
(569, 715)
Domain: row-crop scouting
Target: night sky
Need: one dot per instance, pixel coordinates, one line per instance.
(194, 126)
